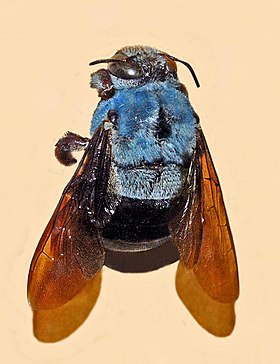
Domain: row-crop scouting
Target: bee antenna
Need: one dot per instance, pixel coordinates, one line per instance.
(188, 66)
(106, 60)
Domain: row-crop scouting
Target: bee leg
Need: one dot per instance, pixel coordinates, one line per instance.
(101, 81)
(69, 143)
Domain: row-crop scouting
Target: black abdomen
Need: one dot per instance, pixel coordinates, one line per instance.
(137, 237)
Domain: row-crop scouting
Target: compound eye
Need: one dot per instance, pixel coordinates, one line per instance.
(128, 69)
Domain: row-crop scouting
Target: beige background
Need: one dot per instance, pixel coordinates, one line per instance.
(234, 48)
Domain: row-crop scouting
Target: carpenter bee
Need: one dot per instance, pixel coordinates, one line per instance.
(145, 192)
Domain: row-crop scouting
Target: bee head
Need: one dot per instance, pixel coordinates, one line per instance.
(137, 65)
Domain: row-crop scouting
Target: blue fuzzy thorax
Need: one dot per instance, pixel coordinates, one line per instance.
(135, 137)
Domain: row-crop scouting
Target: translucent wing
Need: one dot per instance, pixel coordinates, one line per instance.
(202, 232)
(69, 252)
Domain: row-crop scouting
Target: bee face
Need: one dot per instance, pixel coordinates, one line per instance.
(144, 64)
(135, 66)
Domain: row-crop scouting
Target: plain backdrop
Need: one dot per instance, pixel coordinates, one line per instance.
(46, 46)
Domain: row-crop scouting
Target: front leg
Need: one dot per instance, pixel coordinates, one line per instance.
(101, 80)
(71, 142)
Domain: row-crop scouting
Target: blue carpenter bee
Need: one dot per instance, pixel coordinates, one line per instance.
(145, 193)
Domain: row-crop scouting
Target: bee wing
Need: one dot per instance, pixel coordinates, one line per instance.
(69, 252)
(202, 233)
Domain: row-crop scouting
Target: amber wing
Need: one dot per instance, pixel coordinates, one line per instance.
(202, 233)
(69, 252)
